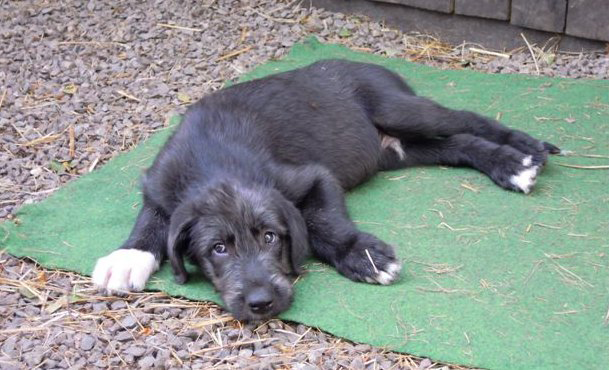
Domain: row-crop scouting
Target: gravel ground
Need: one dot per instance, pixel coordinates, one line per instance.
(80, 83)
(53, 319)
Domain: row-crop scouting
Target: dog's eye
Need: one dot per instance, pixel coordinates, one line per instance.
(219, 248)
(269, 237)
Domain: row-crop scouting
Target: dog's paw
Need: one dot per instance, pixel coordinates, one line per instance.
(387, 275)
(370, 260)
(524, 180)
(514, 170)
(124, 271)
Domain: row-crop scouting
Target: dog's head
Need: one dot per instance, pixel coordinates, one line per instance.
(247, 241)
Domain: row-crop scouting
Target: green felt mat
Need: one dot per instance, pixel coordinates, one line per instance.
(492, 278)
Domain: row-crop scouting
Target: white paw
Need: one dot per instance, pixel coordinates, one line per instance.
(124, 270)
(527, 161)
(525, 179)
(387, 276)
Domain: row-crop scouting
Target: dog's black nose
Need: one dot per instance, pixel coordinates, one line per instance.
(260, 301)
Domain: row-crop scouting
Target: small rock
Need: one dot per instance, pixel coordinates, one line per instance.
(304, 367)
(223, 353)
(87, 343)
(101, 363)
(245, 353)
(136, 351)
(99, 306)
(425, 363)
(246, 334)
(301, 329)
(123, 336)
(146, 362)
(262, 329)
(262, 351)
(314, 356)
(274, 325)
(356, 364)
(144, 319)
(129, 359)
(9, 345)
(36, 171)
(163, 355)
(118, 305)
(233, 334)
(129, 322)
(33, 358)
(49, 364)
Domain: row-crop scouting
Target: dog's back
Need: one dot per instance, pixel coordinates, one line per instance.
(318, 114)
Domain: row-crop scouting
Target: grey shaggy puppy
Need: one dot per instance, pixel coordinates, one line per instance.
(252, 180)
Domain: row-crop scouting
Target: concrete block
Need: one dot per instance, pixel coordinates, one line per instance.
(544, 15)
(589, 19)
(494, 9)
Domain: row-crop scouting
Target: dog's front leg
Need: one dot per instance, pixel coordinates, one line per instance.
(129, 267)
(333, 236)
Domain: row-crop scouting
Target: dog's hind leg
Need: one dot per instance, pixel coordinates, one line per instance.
(333, 236)
(129, 267)
(505, 165)
(410, 117)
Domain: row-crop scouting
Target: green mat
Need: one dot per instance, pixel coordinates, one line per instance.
(491, 279)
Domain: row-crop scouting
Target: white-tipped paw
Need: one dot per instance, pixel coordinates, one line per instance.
(388, 275)
(525, 179)
(124, 270)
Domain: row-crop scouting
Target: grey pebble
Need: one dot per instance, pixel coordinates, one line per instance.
(262, 329)
(118, 305)
(123, 336)
(9, 345)
(33, 358)
(314, 356)
(129, 359)
(223, 353)
(163, 355)
(99, 307)
(144, 319)
(101, 363)
(304, 367)
(263, 351)
(135, 351)
(146, 362)
(233, 334)
(183, 354)
(87, 342)
(425, 363)
(246, 334)
(129, 322)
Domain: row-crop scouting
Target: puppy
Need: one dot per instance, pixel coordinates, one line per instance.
(253, 180)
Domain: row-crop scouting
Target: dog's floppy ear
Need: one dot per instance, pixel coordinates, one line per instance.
(180, 223)
(298, 249)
